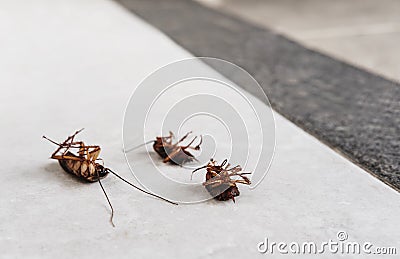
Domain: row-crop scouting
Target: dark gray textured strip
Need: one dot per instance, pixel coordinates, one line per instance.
(351, 110)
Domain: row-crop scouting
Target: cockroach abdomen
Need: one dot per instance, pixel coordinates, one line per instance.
(223, 192)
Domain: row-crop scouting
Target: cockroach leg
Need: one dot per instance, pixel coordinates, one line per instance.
(92, 155)
(183, 138)
(198, 145)
(64, 144)
(235, 169)
(190, 143)
(194, 148)
(74, 158)
(52, 141)
(191, 177)
(224, 162)
(241, 181)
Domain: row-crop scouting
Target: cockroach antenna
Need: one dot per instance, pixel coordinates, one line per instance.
(138, 146)
(140, 189)
(84, 165)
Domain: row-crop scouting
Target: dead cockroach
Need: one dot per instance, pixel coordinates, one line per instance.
(173, 152)
(83, 164)
(218, 180)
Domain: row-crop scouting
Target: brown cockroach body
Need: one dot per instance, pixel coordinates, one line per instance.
(84, 164)
(86, 169)
(218, 180)
(173, 152)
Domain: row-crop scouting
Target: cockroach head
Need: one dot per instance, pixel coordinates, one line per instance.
(101, 171)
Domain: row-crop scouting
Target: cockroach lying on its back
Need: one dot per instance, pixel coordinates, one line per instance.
(83, 164)
(173, 152)
(218, 180)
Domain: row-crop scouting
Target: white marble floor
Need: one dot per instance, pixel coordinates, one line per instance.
(69, 64)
